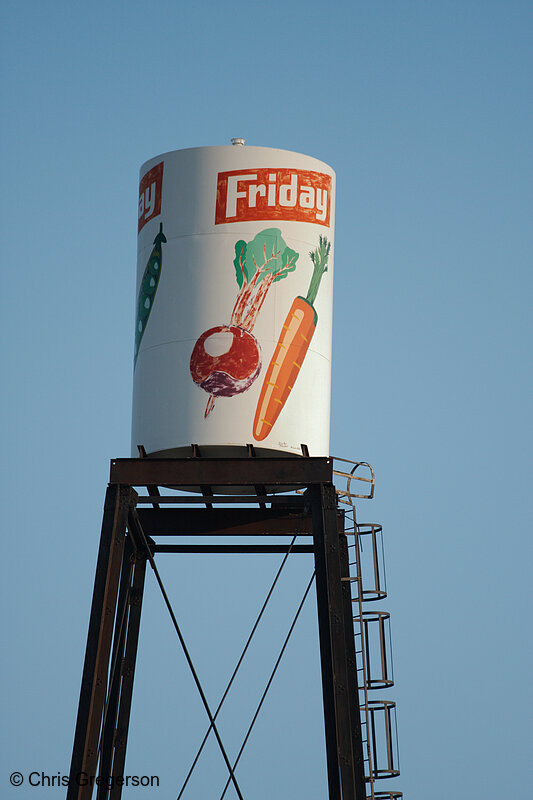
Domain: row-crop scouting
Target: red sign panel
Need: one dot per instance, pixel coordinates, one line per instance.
(272, 193)
(150, 195)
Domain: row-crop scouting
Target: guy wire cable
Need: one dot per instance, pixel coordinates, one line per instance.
(276, 665)
(186, 653)
(239, 662)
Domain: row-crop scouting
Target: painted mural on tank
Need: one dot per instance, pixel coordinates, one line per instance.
(233, 302)
(226, 359)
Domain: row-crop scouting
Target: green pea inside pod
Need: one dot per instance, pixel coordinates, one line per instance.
(148, 289)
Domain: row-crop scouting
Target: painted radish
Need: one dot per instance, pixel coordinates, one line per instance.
(226, 359)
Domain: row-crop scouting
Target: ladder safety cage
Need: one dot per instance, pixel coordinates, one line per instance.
(384, 741)
(377, 648)
(373, 644)
(369, 561)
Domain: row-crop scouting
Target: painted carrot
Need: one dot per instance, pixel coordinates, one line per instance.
(292, 346)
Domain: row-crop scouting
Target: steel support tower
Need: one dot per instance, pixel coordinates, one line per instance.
(132, 526)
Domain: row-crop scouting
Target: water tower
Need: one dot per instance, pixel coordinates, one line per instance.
(231, 403)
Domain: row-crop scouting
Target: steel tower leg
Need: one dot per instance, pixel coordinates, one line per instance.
(117, 655)
(339, 676)
(128, 671)
(101, 623)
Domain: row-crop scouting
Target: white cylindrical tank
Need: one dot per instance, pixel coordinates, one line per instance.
(234, 302)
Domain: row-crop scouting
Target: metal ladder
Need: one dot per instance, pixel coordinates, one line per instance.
(353, 481)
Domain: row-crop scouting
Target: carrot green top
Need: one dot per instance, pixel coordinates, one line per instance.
(319, 257)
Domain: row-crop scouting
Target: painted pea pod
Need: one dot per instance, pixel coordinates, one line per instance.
(148, 288)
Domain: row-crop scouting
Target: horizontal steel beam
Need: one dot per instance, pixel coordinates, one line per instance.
(276, 472)
(289, 502)
(222, 521)
(232, 548)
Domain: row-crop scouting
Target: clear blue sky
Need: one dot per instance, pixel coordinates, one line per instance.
(424, 110)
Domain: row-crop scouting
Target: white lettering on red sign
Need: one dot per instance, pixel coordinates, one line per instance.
(150, 189)
(282, 194)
